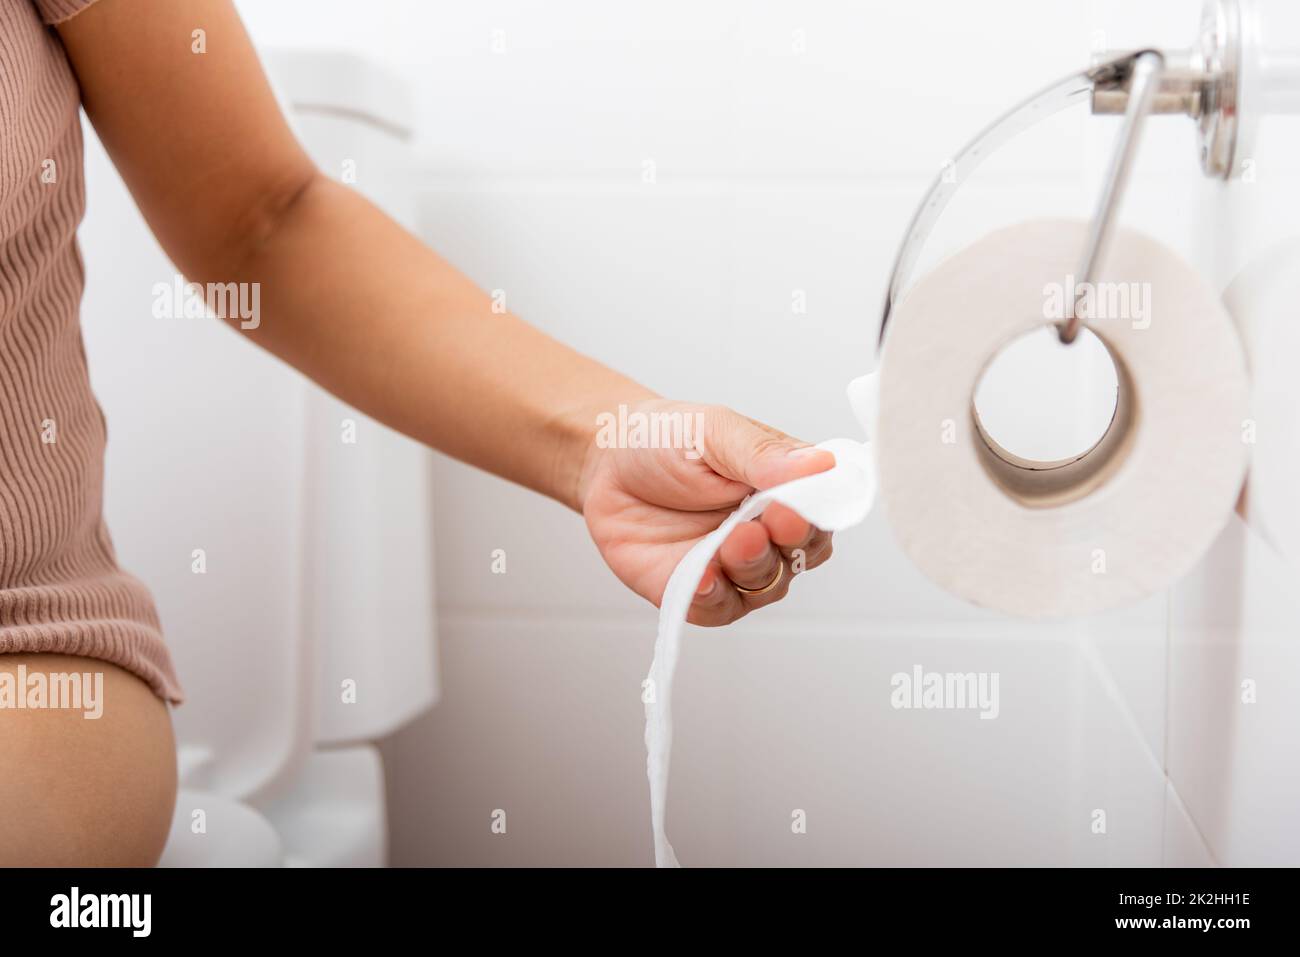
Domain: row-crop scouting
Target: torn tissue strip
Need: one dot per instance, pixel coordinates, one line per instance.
(832, 500)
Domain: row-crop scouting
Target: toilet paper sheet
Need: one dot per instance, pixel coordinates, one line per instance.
(832, 500)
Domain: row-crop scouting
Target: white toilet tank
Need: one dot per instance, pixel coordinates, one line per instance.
(369, 508)
(286, 537)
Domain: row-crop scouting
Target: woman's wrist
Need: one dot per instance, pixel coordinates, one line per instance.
(578, 430)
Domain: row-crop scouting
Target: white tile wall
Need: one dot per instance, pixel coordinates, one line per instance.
(1234, 681)
(789, 142)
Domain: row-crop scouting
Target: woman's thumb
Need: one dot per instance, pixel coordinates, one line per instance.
(758, 455)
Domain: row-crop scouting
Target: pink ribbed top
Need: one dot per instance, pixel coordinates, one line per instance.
(60, 587)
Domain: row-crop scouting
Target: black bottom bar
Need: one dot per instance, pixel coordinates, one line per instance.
(336, 907)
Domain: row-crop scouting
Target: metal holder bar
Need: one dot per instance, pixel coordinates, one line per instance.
(1143, 83)
(1075, 88)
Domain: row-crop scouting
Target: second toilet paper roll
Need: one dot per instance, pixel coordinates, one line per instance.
(1101, 529)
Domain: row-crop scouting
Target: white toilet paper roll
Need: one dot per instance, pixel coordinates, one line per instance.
(1106, 527)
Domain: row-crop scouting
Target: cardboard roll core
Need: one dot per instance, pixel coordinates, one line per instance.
(1048, 484)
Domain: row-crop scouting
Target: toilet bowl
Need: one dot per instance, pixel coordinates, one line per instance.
(209, 830)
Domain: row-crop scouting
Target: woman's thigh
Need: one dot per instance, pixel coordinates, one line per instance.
(81, 790)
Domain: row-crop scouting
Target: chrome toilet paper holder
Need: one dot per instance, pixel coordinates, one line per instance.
(1202, 83)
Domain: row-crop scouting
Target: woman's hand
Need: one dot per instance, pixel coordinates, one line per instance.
(646, 507)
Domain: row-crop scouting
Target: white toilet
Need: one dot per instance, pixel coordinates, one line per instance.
(287, 538)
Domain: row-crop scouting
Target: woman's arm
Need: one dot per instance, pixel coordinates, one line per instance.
(347, 295)
(376, 317)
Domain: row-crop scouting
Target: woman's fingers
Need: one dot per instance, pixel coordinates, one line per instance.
(749, 557)
(803, 545)
(755, 555)
(785, 527)
(716, 600)
(752, 562)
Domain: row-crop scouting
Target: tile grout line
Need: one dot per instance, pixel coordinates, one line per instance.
(1170, 787)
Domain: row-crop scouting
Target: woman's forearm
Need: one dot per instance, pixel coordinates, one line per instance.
(362, 307)
(346, 295)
